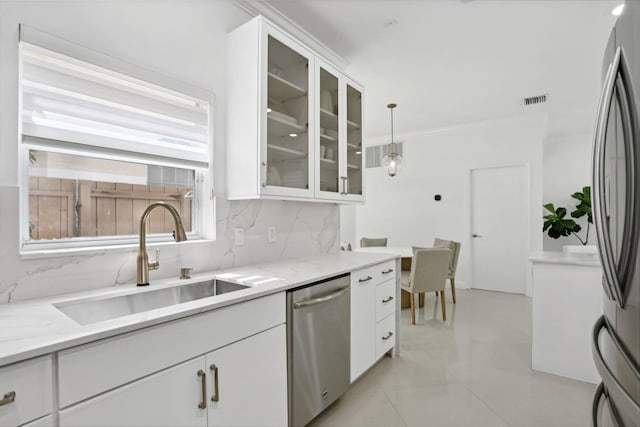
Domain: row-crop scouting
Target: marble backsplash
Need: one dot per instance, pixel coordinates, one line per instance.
(303, 229)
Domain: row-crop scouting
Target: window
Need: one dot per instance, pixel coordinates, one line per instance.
(100, 145)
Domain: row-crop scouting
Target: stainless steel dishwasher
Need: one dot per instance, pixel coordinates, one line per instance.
(318, 346)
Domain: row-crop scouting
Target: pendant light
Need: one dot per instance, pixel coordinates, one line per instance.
(392, 160)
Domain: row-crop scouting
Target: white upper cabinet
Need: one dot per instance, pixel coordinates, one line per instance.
(330, 136)
(352, 148)
(287, 124)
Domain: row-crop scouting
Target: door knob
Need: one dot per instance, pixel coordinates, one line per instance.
(476, 235)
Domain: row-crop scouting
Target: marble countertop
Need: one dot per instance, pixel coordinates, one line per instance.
(591, 260)
(37, 327)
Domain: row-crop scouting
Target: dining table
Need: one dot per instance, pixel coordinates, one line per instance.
(403, 251)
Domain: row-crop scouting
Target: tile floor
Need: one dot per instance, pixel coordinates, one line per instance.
(473, 370)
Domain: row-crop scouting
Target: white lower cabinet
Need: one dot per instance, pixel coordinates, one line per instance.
(373, 308)
(363, 315)
(385, 331)
(41, 422)
(252, 381)
(244, 383)
(25, 391)
(168, 398)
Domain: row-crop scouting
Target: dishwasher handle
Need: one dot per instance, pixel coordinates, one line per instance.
(316, 301)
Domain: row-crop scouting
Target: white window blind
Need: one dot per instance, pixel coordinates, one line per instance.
(70, 100)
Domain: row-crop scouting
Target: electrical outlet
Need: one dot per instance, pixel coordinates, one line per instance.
(239, 235)
(271, 235)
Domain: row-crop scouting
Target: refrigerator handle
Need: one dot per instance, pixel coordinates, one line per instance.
(629, 114)
(624, 398)
(595, 408)
(598, 183)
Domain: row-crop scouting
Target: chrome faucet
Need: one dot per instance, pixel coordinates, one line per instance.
(143, 258)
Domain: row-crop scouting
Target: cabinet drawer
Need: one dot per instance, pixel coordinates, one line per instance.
(385, 335)
(93, 368)
(32, 384)
(385, 299)
(375, 274)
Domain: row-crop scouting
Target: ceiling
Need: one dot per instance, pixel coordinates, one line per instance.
(448, 62)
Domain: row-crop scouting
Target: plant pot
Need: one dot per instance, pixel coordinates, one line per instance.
(583, 250)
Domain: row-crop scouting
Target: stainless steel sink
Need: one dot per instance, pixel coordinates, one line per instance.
(98, 309)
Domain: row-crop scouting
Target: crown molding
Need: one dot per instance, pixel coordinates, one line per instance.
(261, 7)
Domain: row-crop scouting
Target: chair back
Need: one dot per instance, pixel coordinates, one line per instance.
(429, 269)
(454, 247)
(367, 241)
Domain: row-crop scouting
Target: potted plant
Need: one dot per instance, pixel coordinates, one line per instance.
(557, 225)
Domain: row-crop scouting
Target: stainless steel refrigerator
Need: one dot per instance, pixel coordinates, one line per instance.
(616, 214)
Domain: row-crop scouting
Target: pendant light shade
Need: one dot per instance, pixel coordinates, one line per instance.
(392, 161)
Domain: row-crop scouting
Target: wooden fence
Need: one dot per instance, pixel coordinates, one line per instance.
(62, 208)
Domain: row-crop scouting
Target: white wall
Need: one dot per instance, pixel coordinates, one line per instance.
(182, 39)
(439, 162)
(348, 224)
(567, 168)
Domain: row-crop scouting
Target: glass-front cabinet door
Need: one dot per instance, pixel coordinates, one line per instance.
(329, 133)
(287, 154)
(354, 154)
(339, 154)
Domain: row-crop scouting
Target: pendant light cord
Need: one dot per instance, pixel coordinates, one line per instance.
(392, 145)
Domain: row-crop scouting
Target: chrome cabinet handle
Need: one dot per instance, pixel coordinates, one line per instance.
(346, 186)
(475, 236)
(316, 301)
(388, 271)
(8, 398)
(389, 335)
(366, 279)
(203, 402)
(216, 390)
(387, 300)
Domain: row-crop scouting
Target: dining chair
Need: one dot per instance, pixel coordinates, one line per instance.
(428, 274)
(454, 247)
(368, 241)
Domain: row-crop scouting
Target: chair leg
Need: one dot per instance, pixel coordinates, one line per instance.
(453, 289)
(421, 299)
(444, 311)
(413, 309)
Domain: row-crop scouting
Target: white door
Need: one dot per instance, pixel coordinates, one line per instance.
(499, 228)
(251, 386)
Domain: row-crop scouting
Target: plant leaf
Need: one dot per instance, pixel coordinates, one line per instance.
(584, 207)
(550, 208)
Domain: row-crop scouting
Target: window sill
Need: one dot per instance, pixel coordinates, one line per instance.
(33, 253)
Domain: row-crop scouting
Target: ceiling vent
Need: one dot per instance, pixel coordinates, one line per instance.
(532, 100)
(375, 154)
